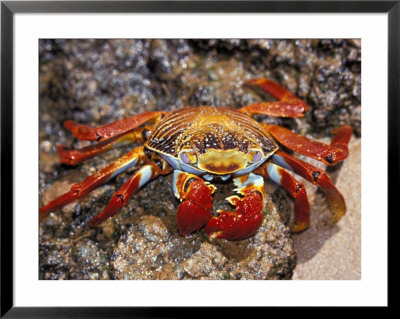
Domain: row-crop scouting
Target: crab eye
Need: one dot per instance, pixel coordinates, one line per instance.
(187, 157)
(257, 156)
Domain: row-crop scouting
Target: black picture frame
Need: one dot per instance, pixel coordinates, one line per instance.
(9, 8)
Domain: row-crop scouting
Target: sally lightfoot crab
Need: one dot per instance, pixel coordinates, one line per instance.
(203, 143)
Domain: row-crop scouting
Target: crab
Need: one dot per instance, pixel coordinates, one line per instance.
(200, 144)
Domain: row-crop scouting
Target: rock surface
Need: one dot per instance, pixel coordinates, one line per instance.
(148, 250)
(99, 81)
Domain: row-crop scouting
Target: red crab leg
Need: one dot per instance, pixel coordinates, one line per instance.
(120, 198)
(102, 133)
(81, 189)
(195, 210)
(328, 154)
(317, 177)
(74, 157)
(247, 217)
(288, 104)
(295, 188)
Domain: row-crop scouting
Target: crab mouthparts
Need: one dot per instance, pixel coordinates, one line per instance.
(222, 162)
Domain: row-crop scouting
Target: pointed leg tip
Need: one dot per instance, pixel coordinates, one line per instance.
(43, 214)
(254, 81)
(336, 217)
(299, 227)
(66, 155)
(94, 222)
(60, 148)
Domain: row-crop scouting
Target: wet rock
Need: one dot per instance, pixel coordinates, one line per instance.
(148, 250)
(68, 258)
(326, 73)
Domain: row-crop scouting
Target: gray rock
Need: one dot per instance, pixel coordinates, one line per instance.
(148, 250)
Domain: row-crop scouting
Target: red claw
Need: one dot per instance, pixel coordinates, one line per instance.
(240, 224)
(195, 211)
(191, 217)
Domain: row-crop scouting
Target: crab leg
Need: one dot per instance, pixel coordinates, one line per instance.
(295, 188)
(74, 157)
(328, 154)
(81, 189)
(195, 210)
(120, 198)
(288, 104)
(247, 217)
(102, 133)
(317, 177)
